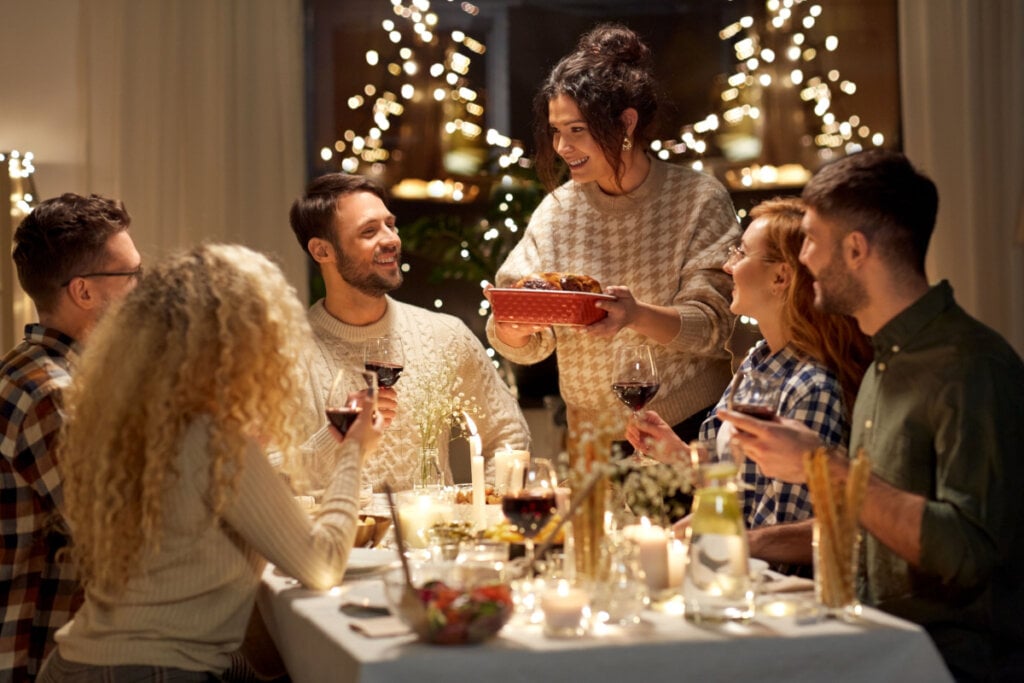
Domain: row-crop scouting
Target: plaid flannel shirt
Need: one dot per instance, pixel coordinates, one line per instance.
(38, 593)
(811, 394)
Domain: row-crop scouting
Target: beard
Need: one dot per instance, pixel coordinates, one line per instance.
(837, 291)
(371, 284)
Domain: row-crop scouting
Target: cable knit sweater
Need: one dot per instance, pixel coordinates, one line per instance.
(425, 336)
(189, 606)
(667, 242)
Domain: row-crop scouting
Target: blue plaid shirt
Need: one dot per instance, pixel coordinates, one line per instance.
(810, 393)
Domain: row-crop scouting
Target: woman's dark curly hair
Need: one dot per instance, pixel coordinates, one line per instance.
(609, 72)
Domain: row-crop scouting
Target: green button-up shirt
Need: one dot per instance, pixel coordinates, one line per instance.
(941, 414)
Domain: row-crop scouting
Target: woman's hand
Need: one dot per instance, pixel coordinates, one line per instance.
(387, 404)
(621, 312)
(654, 437)
(365, 430)
(515, 335)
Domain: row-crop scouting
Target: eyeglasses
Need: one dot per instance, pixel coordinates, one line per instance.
(134, 274)
(737, 253)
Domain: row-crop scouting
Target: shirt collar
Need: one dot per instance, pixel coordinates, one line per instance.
(901, 330)
(52, 339)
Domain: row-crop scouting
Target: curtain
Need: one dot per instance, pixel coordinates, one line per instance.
(194, 117)
(962, 83)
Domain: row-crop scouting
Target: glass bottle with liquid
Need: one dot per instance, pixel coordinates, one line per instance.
(716, 581)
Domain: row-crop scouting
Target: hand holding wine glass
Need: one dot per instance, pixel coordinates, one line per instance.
(348, 394)
(635, 377)
(532, 506)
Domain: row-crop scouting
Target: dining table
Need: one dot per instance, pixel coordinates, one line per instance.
(319, 643)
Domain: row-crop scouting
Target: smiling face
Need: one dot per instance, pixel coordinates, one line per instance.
(366, 244)
(836, 290)
(121, 257)
(753, 277)
(572, 141)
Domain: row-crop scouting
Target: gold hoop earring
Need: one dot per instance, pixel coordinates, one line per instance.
(627, 144)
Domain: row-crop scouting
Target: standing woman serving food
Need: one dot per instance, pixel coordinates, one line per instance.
(651, 232)
(173, 506)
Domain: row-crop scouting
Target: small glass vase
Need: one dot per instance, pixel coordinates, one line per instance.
(428, 473)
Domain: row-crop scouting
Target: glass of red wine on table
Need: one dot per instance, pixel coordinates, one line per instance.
(344, 401)
(384, 356)
(530, 506)
(635, 378)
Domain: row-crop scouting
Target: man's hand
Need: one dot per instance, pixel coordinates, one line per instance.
(777, 446)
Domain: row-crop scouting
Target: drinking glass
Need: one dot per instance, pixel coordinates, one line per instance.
(344, 398)
(754, 394)
(635, 378)
(384, 356)
(531, 507)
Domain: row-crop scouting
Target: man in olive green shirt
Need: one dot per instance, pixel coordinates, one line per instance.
(940, 413)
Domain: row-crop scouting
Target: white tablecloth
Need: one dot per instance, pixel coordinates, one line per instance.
(318, 646)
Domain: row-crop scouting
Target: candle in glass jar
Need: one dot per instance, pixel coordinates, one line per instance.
(566, 610)
(504, 463)
(652, 547)
(419, 514)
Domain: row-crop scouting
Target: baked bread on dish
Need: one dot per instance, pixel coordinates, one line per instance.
(567, 282)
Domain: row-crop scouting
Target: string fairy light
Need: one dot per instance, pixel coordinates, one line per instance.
(780, 53)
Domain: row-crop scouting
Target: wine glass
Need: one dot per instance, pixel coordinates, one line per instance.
(530, 506)
(635, 377)
(754, 394)
(344, 400)
(384, 356)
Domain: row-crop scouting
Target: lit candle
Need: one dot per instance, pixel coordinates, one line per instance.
(566, 610)
(652, 545)
(418, 515)
(504, 460)
(476, 467)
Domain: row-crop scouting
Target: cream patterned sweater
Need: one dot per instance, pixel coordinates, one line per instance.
(190, 605)
(667, 242)
(426, 337)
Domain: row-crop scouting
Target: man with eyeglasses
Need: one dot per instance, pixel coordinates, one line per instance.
(74, 258)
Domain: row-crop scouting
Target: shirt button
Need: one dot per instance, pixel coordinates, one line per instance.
(881, 367)
(867, 424)
(895, 348)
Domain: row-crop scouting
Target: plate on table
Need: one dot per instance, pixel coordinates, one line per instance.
(546, 306)
(364, 561)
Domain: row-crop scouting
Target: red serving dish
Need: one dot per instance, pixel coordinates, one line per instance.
(546, 306)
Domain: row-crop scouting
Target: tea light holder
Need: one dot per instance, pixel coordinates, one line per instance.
(566, 610)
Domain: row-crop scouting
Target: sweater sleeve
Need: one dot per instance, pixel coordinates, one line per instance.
(264, 513)
(704, 296)
(526, 257)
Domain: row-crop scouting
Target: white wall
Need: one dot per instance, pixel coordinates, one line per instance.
(41, 105)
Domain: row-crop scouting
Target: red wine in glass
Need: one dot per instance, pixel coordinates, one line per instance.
(754, 410)
(387, 373)
(529, 511)
(342, 418)
(636, 395)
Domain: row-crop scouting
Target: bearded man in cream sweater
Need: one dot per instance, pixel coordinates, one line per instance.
(343, 222)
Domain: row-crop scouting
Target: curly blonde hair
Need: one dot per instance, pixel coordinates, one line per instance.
(833, 340)
(214, 333)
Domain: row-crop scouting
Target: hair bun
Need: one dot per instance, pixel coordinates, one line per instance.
(615, 43)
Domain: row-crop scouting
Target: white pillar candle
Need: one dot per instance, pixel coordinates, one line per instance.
(479, 493)
(676, 562)
(565, 610)
(652, 546)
